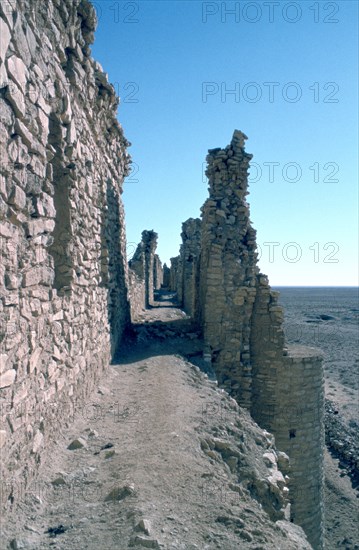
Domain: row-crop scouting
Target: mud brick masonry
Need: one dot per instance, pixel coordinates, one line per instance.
(67, 293)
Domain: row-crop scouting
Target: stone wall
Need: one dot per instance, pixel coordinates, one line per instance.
(149, 239)
(228, 268)
(143, 264)
(166, 276)
(288, 401)
(174, 273)
(190, 261)
(243, 334)
(157, 272)
(63, 275)
(137, 295)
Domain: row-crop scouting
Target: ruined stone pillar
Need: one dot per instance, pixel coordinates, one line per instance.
(157, 272)
(143, 264)
(191, 248)
(149, 240)
(166, 276)
(288, 401)
(242, 326)
(173, 273)
(179, 277)
(228, 268)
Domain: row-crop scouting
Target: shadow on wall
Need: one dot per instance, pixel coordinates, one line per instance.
(113, 261)
(61, 248)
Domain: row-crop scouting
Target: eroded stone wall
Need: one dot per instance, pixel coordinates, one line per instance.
(157, 272)
(148, 268)
(242, 325)
(190, 261)
(288, 401)
(228, 268)
(137, 295)
(166, 276)
(63, 274)
(174, 273)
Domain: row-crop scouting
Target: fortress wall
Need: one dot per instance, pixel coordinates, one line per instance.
(288, 401)
(242, 326)
(157, 272)
(149, 239)
(166, 276)
(228, 268)
(191, 248)
(147, 269)
(136, 294)
(63, 275)
(174, 273)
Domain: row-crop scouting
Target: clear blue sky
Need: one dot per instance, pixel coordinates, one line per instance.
(173, 64)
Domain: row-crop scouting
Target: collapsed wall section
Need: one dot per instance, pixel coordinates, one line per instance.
(63, 275)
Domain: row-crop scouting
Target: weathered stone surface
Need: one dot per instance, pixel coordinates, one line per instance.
(17, 70)
(119, 493)
(38, 275)
(7, 378)
(166, 276)
(147, 271)
(18, 198)
(35, 359)
(78, 443)
(63, 271)
(145, 526)
(4, 39)
(242, 325)
(37, 442)
(3, 358)
(3, 437)
(17, 101)
(188, 267)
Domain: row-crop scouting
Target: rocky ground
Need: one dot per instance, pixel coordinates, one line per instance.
(161, 458)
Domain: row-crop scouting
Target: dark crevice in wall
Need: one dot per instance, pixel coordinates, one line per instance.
(113, 267)
(60, 250)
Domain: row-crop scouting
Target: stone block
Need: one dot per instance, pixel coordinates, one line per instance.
(18, 198)
(3, 437)
(35, 359)
(7, 230)
(39, 226)
(11, 281)
(5, 36)
(17, 101)
(7, 378)
(44, 126)
(38, 275)
(17, 71)
(7, 8)
(3, 361)
(44, 206)
(37, 442)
